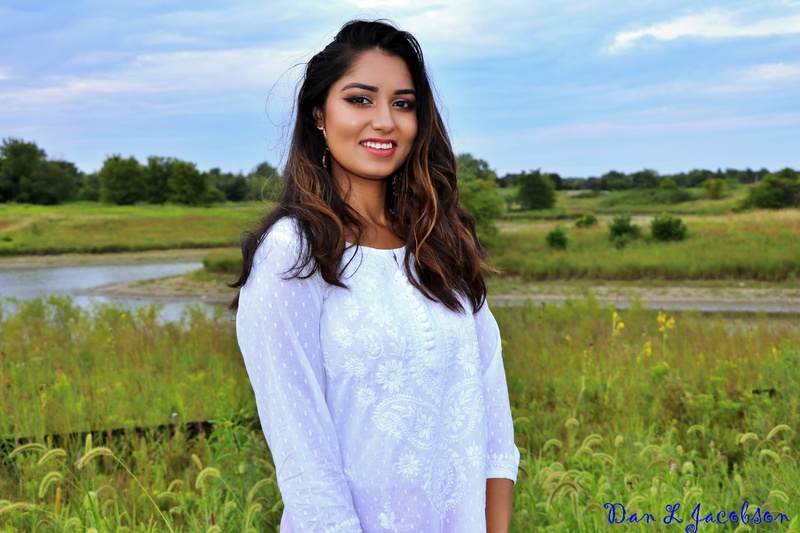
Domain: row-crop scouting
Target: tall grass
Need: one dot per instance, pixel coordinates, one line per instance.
(66, 369)
(759, 246)
(634, 407)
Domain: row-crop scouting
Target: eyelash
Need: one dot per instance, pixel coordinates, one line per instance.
(363, 100)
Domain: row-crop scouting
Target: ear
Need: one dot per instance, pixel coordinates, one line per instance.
(319, 117)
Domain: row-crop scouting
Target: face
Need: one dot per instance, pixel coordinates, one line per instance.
(370, 118)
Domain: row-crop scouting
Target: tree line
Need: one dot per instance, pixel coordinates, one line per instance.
(28, 176)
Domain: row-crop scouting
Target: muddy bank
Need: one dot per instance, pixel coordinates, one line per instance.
(771, 299)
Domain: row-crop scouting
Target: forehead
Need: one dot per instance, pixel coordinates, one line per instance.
(379, 69)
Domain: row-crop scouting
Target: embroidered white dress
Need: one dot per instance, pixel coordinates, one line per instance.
(383, 410)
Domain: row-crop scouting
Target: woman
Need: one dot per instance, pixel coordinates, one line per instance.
(361, 318)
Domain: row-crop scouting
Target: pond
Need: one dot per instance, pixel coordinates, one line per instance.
(75, 281)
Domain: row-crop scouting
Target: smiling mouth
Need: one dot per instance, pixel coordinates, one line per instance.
(377, 145)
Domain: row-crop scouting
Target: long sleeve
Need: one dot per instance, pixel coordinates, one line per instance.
(277, 327)
(502, 454)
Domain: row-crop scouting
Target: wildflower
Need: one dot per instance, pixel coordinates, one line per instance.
(671, 323)
(621, 325)
(673, 467)
(569, 339)
(648, 349)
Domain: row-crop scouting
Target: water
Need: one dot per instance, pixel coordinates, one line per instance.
(76, 281)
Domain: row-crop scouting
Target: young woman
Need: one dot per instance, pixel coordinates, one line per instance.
(375, 361)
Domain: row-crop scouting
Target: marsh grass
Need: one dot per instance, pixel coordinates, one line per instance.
(755, 246)
(67, 369)
(633, 407)
(97, 228)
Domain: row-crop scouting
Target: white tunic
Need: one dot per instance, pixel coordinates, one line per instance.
(383, 410)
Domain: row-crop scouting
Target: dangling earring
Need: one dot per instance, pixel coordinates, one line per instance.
(395, 195)
(325, 153)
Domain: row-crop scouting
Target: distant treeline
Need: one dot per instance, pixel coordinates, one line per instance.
(642, 179)
(28, 176)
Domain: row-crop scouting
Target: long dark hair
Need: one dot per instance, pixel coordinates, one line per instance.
(447, 257)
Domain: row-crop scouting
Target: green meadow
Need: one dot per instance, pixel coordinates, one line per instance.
(632, 411)
(96, 228)
(636, 408)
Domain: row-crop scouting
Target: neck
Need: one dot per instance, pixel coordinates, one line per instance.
(367, 198)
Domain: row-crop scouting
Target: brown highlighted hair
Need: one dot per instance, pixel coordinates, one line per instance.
(447, 257)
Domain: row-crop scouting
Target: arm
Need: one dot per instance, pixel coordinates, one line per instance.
(499, 501)
(503, 455)
(277, 327)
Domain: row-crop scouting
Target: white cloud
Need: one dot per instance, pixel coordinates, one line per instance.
(5, 73)
(712, 24)
(192, 73)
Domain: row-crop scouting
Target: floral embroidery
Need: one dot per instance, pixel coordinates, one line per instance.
(392, 375)
(468, 359)
(408, 465)
(475, 456)
(354, 367)
(365, 396)
(387, 517)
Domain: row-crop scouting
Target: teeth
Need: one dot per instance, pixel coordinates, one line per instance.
(377, 146)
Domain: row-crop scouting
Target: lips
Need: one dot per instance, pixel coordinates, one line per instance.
(379, 147)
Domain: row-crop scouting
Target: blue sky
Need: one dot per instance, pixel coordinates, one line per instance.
(575, 87)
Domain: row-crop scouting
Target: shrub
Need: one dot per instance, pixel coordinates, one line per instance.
(714, 188)
(586, 221)
(775, 191)
(666, 227)
(557, 238)
(536, 191)
(621, 226)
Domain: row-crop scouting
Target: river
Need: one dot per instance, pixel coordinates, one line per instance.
(75, 281)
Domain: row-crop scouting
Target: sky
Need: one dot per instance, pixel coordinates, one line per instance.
(575, 87)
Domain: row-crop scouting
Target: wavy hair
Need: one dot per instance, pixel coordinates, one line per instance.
(447, 257)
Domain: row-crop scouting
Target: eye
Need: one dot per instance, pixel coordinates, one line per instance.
(358, 100)
(406, 104)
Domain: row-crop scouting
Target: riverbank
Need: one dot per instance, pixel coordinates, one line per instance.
(734, 296)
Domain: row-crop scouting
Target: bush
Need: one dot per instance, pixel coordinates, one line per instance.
(557, 238)
(666, 227)
(536, 191)
(586, 221)
(621, 227)
(775, 191)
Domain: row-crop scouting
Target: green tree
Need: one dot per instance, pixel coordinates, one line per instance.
(122, 181)
(156, 175)
(471, 169)
(23, 162)
(477, 187)
(774, 191)
(264, 182)
(186, 184)
(536, 191)
(714, 188)
(90, 187)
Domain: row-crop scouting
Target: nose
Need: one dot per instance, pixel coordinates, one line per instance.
(382, 118)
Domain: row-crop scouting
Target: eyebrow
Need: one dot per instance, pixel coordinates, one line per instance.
(374, 89)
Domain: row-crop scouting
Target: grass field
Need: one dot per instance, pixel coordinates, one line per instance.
(762, 245)
(636, 408)
(96, 228)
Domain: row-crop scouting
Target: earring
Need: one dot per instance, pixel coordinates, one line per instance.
(395, 195)
(325, 153)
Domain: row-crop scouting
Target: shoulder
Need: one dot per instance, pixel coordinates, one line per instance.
(283, 248)
(286, 231)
